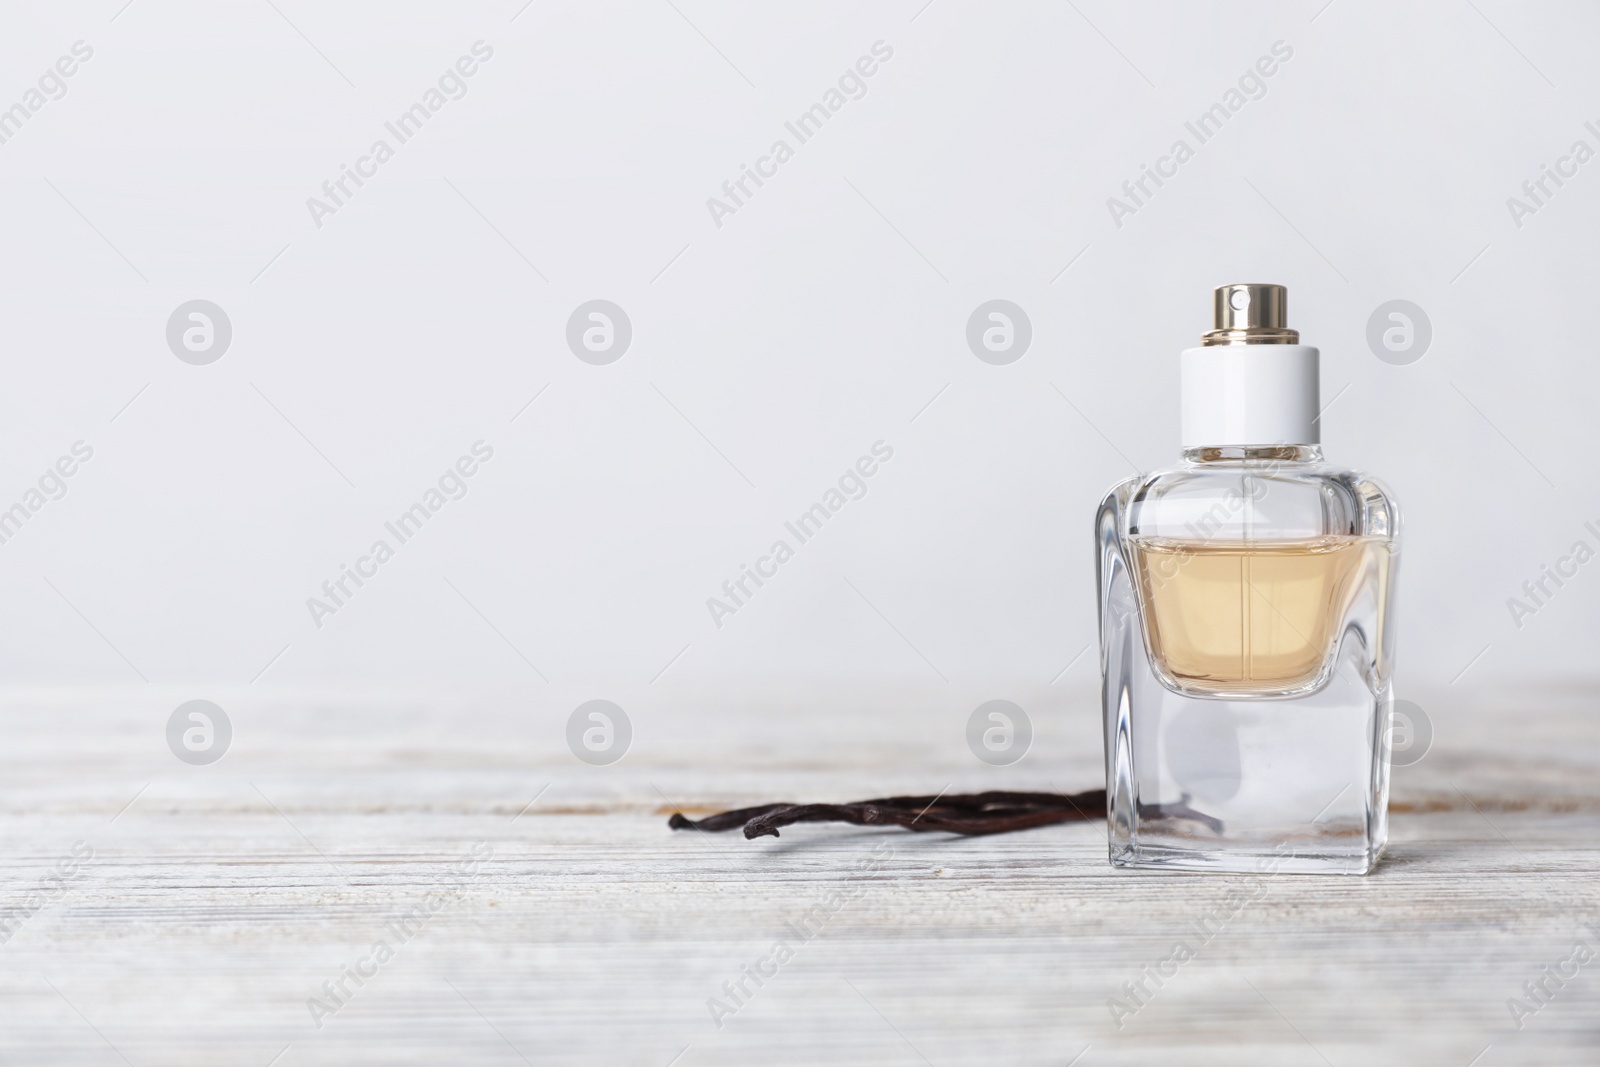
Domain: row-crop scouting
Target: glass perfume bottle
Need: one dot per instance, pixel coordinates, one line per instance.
(1246, 642)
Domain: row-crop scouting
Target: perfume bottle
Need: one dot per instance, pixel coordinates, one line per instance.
(1246, 642)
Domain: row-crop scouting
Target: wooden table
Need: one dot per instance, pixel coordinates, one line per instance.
(220, 899)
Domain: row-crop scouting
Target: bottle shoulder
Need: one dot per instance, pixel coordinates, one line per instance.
(1254, 501)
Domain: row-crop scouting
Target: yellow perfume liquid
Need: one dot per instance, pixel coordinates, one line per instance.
(1256, 617)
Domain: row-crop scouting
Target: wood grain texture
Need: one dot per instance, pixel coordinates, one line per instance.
(221, 899)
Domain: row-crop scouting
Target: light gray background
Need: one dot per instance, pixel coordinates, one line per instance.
(767, 354)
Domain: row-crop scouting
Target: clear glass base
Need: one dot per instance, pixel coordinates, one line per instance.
(1240, 861)
(1296, 785)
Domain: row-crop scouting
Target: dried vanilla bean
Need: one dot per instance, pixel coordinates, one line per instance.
(993, 812)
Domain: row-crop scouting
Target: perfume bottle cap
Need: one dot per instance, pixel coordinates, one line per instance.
(1250, 313)
(1250, 383)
